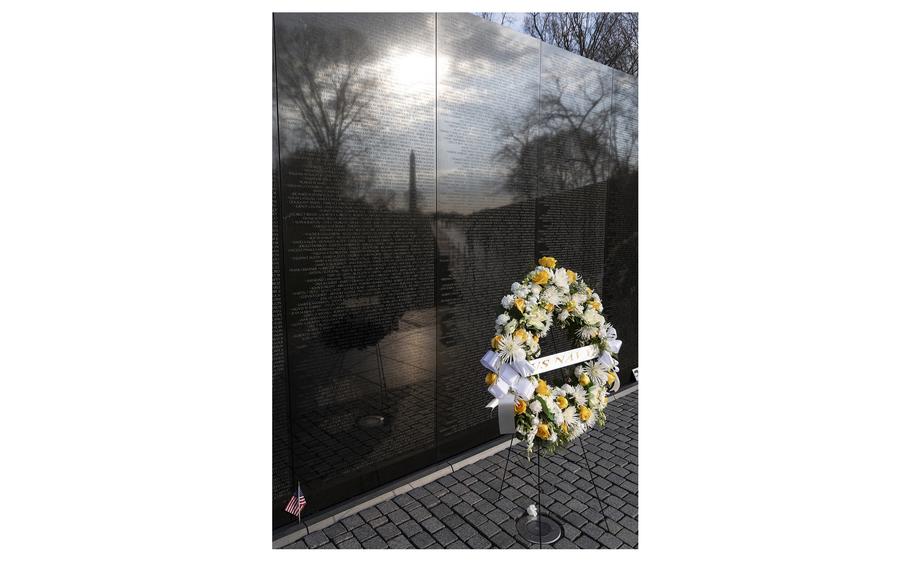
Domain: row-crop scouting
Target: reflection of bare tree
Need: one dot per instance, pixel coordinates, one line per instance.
(323, 74)
(570, 141)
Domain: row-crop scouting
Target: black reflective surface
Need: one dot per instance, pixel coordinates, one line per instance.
(423, 162)
(488, 83)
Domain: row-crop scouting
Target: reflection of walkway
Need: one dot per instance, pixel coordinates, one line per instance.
(394, 378)
(460, 510)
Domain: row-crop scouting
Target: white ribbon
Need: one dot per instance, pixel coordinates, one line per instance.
(510, 376)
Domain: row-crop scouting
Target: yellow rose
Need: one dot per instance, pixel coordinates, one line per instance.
(594, 305)
(547, 261)
(535, 339)
(561, 402)
(520, 406)
(542, 388)
(543, 432)
(520, 304)
(520, 335)
(540, 277)
(570, 306)
(584, 380)
(588, 290)
(495, 341)
(565, 427)
(611, 378)
(572, 276)
(491, 378)
(584, 413)
(550, 307)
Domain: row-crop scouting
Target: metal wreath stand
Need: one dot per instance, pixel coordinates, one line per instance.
(544, 529)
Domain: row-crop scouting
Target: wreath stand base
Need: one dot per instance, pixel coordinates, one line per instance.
(544, 529)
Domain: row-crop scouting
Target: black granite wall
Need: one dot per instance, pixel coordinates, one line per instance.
(422, 163)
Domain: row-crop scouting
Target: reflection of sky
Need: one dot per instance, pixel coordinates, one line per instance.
(401, 115)
(488, 76)
(490, 79)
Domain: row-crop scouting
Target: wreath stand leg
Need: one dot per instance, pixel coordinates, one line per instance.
(505, 471)
(584, 453)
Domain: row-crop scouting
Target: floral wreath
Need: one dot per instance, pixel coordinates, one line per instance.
(552, 416)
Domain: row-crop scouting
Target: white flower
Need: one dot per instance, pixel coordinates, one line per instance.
(558, 417)
(570, 417)
(535, 407)
(537, 318)
(560, 279)
(522, 292)
(551, 296)
(563, 315)
(552, 437)
(581, 395)
(586, 333)
(510, 327)
(515, 286)
(508, 301)
(579, 298)
(591, 317)
(531, 303)
(535, 288)
(597, 371)
(511, 349)
(502, 319)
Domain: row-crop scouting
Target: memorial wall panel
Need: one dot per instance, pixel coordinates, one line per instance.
(621, 242)
(488, 81)
(574, 165)
(356, 113)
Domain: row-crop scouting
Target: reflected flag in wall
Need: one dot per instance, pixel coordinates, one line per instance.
(297, 503)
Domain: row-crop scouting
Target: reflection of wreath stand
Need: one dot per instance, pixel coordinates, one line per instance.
(544, 529)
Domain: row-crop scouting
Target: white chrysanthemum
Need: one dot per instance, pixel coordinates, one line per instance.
(511, 349)
(560, 279)
(535, 289)
(597, 371)
(531, 303)
(551, 296)
(586, 333)
(570, 417)
(536, 318)
(592, 318)
(553, 435)
(502, 319)
(508, 301)
(558, 417)
(563, 315)
(535, 407)
(522, 292)
(581, 395)
(510, 327)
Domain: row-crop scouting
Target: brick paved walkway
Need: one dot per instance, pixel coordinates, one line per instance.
(460, 510)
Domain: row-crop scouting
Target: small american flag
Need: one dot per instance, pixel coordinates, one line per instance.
(297, 503)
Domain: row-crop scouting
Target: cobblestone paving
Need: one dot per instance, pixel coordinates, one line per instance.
(461, 510)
